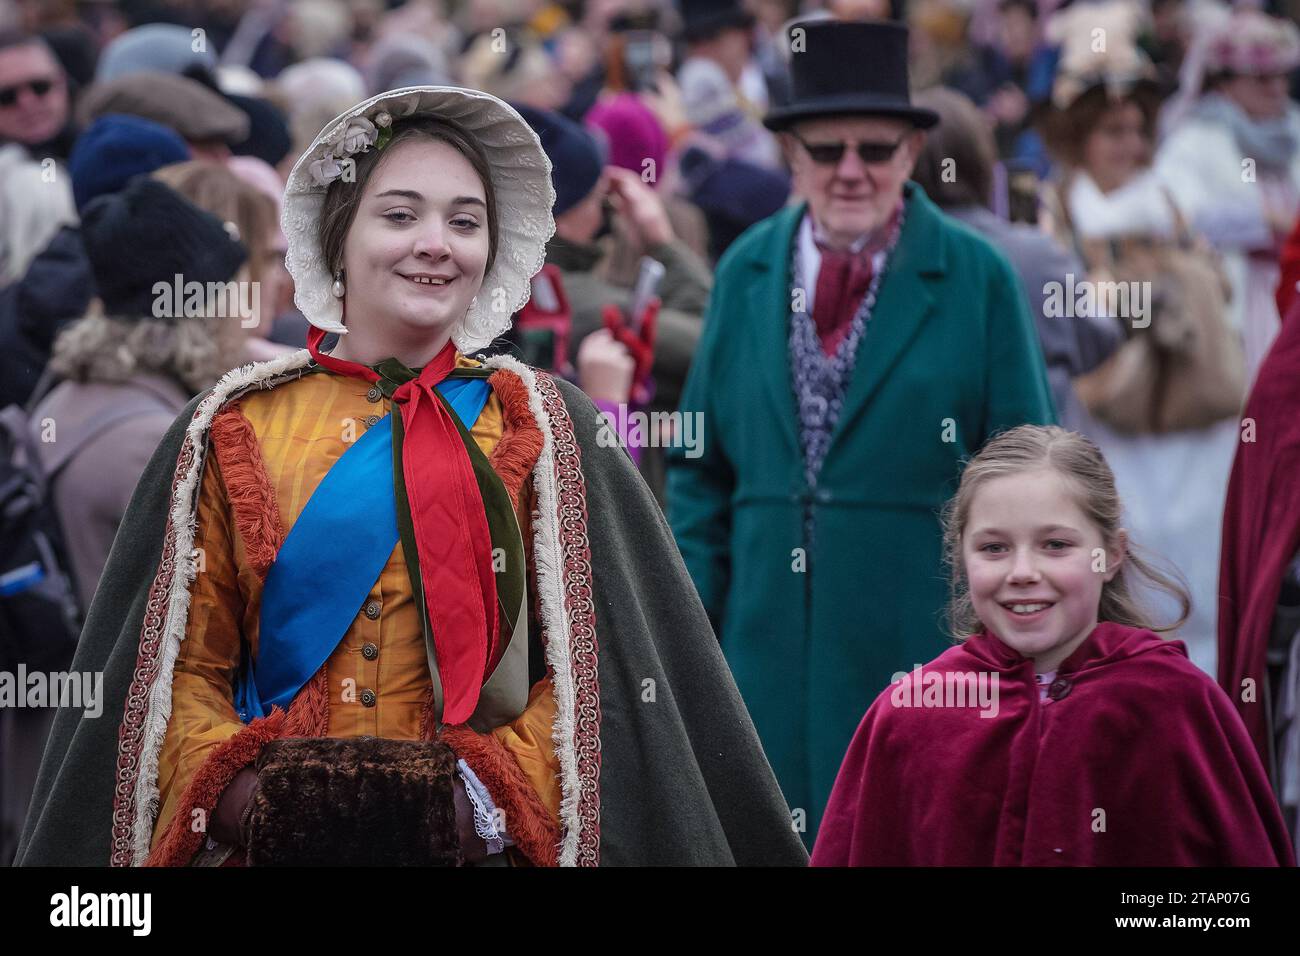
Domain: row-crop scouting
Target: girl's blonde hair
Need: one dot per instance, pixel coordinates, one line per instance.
(1080, 463)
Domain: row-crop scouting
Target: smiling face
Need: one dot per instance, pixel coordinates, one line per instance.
(415, 254)
(1033, 564)
(849, 198)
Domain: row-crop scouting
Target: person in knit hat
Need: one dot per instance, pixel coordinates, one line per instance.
(228, 195)
(115, 148)
(58, 285)
(133, 350)
(636, 140)
(126, 373)
(633, 132)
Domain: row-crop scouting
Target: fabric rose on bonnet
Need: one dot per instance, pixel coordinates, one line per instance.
(359, 135)
(325, 170)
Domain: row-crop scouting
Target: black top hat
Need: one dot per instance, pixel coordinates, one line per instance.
(702, 19)
(839, 67)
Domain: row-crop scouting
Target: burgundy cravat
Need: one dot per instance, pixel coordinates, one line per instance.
(842, 281)
(841, 284)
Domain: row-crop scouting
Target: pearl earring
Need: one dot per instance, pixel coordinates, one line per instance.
(338, 288)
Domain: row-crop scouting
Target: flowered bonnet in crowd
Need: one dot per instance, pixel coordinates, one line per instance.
(1251, 43)
(1245, 42)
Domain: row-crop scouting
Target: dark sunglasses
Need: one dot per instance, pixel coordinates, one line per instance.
(827, 154)
(9, 95)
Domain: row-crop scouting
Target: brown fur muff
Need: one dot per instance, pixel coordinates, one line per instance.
(358, 801)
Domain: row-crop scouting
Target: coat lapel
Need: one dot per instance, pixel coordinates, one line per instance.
(767, 298)
(905, 303)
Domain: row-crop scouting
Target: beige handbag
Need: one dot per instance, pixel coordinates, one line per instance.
(1184, 369)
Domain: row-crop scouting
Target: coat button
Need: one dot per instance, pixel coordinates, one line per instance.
(372, 610)
(374, 393)
(369, 650)
(371, 420)
(1059, 689)
(368, 698)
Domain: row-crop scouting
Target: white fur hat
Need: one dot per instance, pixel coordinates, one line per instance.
(521, 178)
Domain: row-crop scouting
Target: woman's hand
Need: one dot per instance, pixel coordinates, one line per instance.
(665, 99)
(228, 817)
(639, 206)
(605, 368)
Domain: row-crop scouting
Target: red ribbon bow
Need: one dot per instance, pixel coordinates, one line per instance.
(451, 530)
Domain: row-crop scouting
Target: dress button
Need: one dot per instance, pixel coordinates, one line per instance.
(372, 610)
(369, 650)
(371, 420)
(1059, 689)
(368, 698)
(374, 394)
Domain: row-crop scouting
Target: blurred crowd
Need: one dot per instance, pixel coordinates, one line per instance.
(1151, 144)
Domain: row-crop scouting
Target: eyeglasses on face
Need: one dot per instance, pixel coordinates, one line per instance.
(828, 154)
(9, 94)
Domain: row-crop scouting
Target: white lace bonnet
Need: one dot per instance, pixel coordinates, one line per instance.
(521, 177)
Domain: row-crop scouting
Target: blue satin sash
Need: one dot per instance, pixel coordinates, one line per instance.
(330, 560)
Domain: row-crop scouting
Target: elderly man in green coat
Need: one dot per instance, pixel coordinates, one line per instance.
(857, 348)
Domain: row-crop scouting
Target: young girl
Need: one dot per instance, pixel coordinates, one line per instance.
(1061, 731)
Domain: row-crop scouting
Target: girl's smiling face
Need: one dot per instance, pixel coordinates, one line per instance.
(1035, 564)
(415, 255)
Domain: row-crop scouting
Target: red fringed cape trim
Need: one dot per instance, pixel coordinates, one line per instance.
(249, 490)
(516, 454)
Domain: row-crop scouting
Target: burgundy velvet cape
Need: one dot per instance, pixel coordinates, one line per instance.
(1138, 740)
(1261, 526)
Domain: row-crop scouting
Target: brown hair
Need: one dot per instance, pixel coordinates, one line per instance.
(1077, 460)
(343, 198)
(963, 136)
(1065, 131)
(214, 188)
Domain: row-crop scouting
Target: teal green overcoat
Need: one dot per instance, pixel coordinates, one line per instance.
(813, 631)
